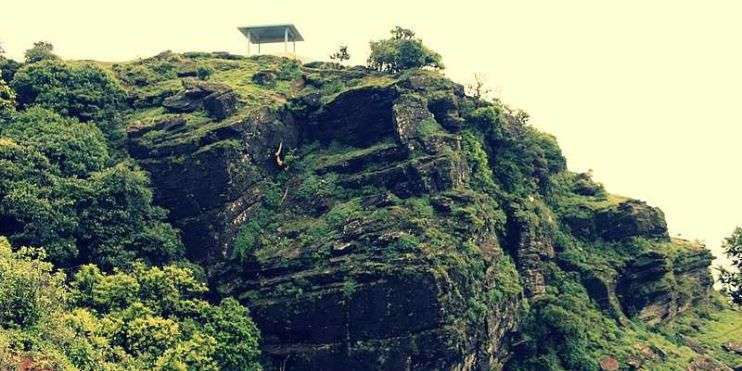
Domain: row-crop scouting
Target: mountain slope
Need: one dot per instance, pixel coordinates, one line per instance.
(368, 220)
(377, 221)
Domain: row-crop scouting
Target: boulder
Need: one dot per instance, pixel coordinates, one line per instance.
(707, 364)
(445, 108)
(192, 97)
(733, 346)
(220, 105)
(609, 364)
(265, 78)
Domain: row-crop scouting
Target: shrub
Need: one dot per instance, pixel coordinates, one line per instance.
(29, 290)
(289, 70)
(204, 72)
(8, 68)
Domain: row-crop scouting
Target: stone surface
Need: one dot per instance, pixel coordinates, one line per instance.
(733, 346)
(707, 364)
(647, 286)
(609, 364)
(357, 117)
(264, 78)
(353, 302)
(192, 96)
(632, 218)
(220, 105)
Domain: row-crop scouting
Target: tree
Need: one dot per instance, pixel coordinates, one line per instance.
(40, 51)
(732, 280)
(141, 319)
(85, 92)
(478, 88)
(58, 189)
(401, 52)
(7, 97)
(341, 55)
(8, 68)
(399, 33)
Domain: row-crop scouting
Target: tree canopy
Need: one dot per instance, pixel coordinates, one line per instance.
(59, 189)
(83, 91)
(40, 51)
(732, 280)
(145, 318)
(401, 52)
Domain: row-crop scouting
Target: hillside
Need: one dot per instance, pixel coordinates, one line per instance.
(367, 220)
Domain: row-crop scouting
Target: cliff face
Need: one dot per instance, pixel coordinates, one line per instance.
(390, 222)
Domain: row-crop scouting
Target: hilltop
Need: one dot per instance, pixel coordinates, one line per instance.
(385, 220)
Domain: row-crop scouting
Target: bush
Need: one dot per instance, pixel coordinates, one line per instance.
(289, 71)
(401, 52)
(29, 290)
(203, 72)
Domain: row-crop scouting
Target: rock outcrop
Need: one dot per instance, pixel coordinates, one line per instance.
(393, 224)
(219, 100)
(632, 219)
(648, 286)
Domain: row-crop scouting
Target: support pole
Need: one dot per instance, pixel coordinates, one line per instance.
(294, 41)
(249, 41)
(258, 47)
(286, 40)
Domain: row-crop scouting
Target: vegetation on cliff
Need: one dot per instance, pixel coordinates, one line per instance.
(369, 217)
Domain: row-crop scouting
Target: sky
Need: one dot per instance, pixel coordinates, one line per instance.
(644, 93)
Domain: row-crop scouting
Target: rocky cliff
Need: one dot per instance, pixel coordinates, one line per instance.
(377, 221)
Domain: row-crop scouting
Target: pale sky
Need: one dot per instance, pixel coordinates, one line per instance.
(645, 93)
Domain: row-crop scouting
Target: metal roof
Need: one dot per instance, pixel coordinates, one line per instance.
(270, 33)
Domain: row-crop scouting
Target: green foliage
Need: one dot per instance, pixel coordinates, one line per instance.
(7, 97)
(8, 68)
(73, 148)
(732, 280)
(289, 70)
(524, 158)
(58, 190)
(29, 289)
(84, 91)
(136, 74)
(41, 51)
(506, 281)
(203, 72)
(402, 52)
(563, 329)
(149, 318)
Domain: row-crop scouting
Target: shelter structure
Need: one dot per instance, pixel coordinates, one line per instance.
(272, 34)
